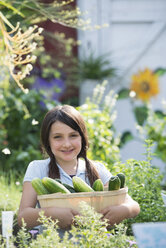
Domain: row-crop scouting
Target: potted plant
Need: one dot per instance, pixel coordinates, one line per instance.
(92, 70)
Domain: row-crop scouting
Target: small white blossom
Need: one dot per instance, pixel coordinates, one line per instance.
(6, 151)
(40, 30)
(26, 91)
(91, 121)
(34, 122)
(33, 57)
(132, 94)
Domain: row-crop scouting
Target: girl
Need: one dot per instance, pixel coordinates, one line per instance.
(64, 139)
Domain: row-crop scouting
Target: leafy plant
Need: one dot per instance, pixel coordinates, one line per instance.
(10, 194)
(90, 231)
(99, 115)
(144, 185)
(20, 118)
(150, 123)
(154, 129)
(93, 67)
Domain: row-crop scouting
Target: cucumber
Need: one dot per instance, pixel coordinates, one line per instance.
(69, 187)
(39, 187)
(58, 180)
(53, 186)
(80, 185)
(122, 179)
(114, 183)
(98, 185)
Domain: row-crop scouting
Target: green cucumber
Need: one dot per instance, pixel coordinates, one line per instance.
(53, 186)
(58, 180)
(69, 187)
(114, 183)
(81, 186)
(122, 179)
(38, 186)
(98, 185)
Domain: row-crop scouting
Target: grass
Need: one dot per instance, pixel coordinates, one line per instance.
(10, 193)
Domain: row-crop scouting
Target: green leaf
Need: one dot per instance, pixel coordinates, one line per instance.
(9, 6)
(160, 71)
(126, 137)
(123, 93)
(160, 114)
(141, 114)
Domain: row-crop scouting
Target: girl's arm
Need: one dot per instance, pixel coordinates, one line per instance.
(30, 213)
(116, 214)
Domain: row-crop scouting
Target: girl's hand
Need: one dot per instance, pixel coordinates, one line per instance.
(115, 214)
(64, 215)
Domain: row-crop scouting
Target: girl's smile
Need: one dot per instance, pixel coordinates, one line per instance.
(65, 144)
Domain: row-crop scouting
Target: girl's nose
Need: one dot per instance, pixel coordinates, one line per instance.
(66, 142)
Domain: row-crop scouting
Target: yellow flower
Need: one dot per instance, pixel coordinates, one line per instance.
(145, 84)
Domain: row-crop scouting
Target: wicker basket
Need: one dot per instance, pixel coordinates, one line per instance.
(97, 200)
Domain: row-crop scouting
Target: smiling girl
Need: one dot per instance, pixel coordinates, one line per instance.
(64, 139)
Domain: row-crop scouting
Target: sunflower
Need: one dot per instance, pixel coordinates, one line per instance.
(145, 84)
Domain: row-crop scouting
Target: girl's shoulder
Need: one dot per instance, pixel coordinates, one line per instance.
(98, 164)
(37, 168)
(39, 163)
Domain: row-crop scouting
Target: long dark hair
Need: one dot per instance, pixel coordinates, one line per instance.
(71, 117)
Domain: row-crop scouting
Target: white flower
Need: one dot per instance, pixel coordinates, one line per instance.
(40, 30)
(91, 121)
(6, 151)
(26, 91)
(34, 122)
(132, 94)
(1, 96)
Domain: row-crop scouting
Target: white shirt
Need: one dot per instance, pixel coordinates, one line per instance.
(39, 168)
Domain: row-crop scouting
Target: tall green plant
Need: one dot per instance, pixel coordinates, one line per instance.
(144, 185)
(97, 68)
(99, 114)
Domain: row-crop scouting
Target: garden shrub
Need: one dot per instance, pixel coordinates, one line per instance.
(144, 185)
(90, 232)
(20, 119)
(99, 114)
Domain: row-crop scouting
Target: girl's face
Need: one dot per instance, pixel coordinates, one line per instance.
(65, 143)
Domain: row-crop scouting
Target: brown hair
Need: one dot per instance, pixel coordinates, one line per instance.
(71, 117)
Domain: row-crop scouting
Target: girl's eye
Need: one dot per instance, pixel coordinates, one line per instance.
(57, 137)
(74, 135)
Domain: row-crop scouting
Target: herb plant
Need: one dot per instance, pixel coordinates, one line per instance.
(144, 185)
(89, 231)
